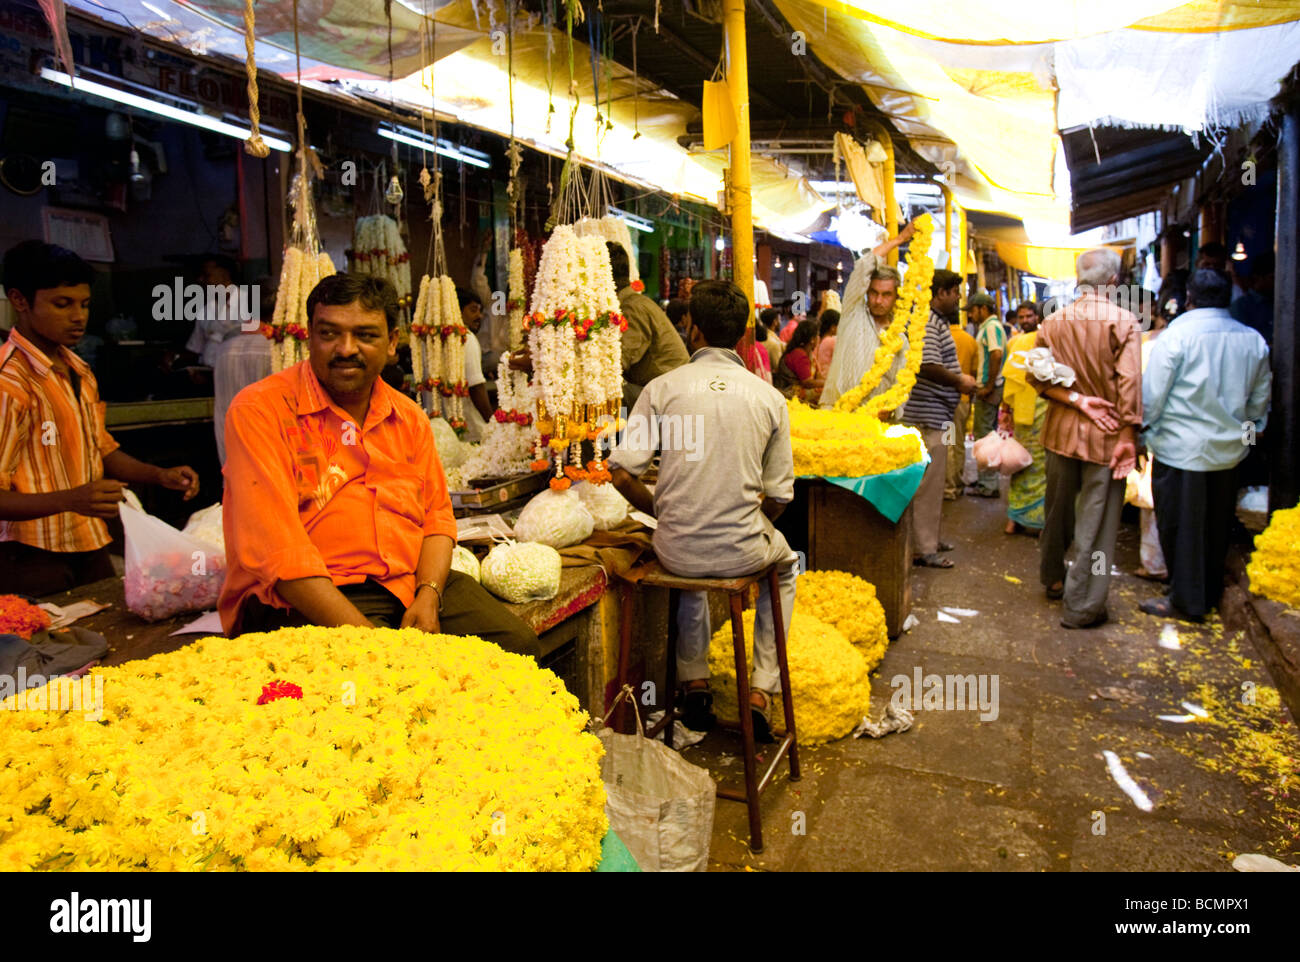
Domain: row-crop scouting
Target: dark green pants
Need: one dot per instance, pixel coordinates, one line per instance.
(467, 609)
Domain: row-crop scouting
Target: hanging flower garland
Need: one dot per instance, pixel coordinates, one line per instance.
(518, 299)
(301, 270)
(911, 313)
(378, 249)
(575, 334)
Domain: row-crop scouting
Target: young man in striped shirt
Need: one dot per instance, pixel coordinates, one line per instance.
(61, 472)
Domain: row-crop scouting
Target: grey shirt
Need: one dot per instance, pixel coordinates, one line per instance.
(724, 438)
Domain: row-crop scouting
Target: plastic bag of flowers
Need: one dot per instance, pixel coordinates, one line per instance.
(463, 560)
(519, 572)
(452, 451)
(555, 518)
(828, 678)
(309, 749)
(608, 508)
(167, 571)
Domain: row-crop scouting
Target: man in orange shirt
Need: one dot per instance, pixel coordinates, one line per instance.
(336, 506)
(56, 456)
(967, 357)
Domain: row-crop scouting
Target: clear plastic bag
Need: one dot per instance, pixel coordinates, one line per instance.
(168, 571)
(522, 572)
(555, 518)
(608, 508)
(464, 561)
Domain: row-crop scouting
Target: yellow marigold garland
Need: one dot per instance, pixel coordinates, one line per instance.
(404, 751)
(848, 603)
(849, 444)
(1274, 568)
(912, 311)
(828, 678)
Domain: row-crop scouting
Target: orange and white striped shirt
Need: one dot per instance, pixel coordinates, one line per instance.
(51, 439)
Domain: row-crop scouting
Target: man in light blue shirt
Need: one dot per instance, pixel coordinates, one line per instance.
(1205, 395)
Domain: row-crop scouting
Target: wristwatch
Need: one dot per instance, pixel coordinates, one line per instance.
(436, 590)
(1074, 398)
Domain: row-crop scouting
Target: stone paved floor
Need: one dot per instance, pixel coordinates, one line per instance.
(1027, 791)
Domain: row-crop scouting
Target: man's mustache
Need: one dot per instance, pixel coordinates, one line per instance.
(347, 364)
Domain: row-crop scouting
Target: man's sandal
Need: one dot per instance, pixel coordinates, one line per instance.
(762, 717)
(931, 561)
(697, 708)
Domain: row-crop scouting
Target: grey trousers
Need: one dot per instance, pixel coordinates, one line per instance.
(1083, 507)
(694, 628)
(986, 422)
(927, 503)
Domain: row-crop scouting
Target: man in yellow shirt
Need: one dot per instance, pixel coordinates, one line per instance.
(967, 356)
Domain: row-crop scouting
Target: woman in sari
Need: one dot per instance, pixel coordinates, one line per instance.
(1028, 490)
(796, 375)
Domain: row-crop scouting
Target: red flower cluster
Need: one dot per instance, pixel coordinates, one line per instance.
(279, 689)
(512, 417)
(18, 617)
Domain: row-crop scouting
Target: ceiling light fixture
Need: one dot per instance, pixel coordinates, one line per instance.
(85, 86)
(453, 151)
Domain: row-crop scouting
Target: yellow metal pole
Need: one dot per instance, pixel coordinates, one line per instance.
(947, 223)
(962, 255)
(741, 197)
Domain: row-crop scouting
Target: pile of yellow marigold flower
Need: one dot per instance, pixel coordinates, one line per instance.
(843, 444)
(837, 636)
(1274, 568)
(393, 751)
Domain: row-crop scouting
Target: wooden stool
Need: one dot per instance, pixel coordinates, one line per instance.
(737, 590)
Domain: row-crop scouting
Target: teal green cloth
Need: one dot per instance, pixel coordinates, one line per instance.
(890, 493)
(614, 856)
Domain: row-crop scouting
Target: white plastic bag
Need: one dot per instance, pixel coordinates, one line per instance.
(988, 451)
(1015, 456)
(522, 572)
(463, 560)
(970, 471)
(452, 451)
(555, 518)
(608, 508)
(658, 804)
(206, 525)
(168, 571)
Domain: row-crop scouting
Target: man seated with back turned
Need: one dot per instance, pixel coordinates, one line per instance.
(715, 502)
(336, 506)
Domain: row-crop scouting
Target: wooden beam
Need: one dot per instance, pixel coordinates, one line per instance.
(1284, 424)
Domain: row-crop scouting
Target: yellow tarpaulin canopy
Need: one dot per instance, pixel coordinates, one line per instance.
(473, 84)
(1053, 263)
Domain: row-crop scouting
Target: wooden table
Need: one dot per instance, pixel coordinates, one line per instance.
(129, 636)
(847, 533)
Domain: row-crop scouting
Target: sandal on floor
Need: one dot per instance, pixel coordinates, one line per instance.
(762, 717)
(931, 561)
(1055, 592)
(945, 546)
(697, 709)
(1164, 608)
(1142, 572)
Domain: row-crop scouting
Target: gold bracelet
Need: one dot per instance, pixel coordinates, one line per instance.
(436, 590)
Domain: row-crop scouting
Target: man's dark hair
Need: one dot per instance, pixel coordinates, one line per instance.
(1212, 249)
(676, 310)
(828, 321)
(1208, 288)
(1033, 306)
(944, 280)
(35, 265)
(1011, 314)
(374, 293)
(619, 262)
(721, 312)
(465, 297)
(226, 263)
(770, 317)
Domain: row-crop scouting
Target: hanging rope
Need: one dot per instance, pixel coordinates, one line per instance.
(254, 144)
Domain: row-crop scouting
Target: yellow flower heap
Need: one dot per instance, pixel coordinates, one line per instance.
(851, 441)
(1274, 568)
(837, 636)
(404, 752)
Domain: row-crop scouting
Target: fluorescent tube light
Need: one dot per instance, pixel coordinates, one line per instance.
(163, 110)
(632, 220)
(412, 139)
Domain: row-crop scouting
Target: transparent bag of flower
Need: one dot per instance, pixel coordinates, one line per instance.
(608, 508)
(452, 451)
(463, 560)
(206, 525)
(518, 572)
(167, 571)
(555, 518)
